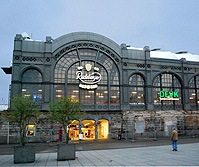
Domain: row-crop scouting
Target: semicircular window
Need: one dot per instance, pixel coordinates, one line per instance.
(194, 92)
(167, 92)
(88, 75)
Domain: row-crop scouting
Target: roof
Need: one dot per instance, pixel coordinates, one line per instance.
(3, 107)
(169, 55)
(176, 56)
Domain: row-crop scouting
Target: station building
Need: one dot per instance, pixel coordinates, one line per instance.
(121, 88)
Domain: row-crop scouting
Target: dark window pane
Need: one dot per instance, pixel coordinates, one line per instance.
(102, 95)
(156, 96)
(58, 92)
(72, 74)
(86, 54)
(87, 96)
(114, 95)
(73, 91)
(62, 65)
(136, 89)
(110, 67)
(31, 75)
(33, 89)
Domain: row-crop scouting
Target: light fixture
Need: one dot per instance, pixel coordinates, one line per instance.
(58, 90)
(40, 90)
(75, 91)
(23, 90)
(134, 92)
(87, 96)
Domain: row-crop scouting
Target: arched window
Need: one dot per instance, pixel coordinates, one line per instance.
(136, 89)
(99, 83)
(194, 92)
(167, 92)
(32, 84)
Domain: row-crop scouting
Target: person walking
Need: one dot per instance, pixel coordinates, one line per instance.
(174, 139)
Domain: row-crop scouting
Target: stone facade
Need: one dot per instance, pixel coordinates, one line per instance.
(157, 124)
(126, 96)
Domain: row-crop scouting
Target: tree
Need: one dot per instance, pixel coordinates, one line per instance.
(23, 109)
(64, 111)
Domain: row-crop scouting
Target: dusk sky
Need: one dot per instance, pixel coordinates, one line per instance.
(172, 25)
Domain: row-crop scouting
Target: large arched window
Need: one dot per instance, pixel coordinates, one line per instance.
(194, 92)
(67, 83)
(32, 84)
(87, 96)
(167, 92)
(136, 89)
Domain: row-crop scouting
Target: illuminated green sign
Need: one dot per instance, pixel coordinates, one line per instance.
(168, 95)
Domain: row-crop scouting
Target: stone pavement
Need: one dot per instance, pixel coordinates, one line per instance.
(88, 145)
(188, 155)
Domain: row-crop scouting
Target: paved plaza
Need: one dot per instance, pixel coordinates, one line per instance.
(188, 154)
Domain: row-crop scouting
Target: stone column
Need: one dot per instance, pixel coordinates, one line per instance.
(96, 134)
(80, 128)
(109, 122)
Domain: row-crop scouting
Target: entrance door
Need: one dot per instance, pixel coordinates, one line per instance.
(73, 130)
(103, 129)
(88, 129)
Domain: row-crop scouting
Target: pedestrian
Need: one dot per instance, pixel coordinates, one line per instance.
(119, 135)
(174, 139)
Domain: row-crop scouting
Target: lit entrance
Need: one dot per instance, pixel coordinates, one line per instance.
(73, 130)
(88, 129)
(103, 129)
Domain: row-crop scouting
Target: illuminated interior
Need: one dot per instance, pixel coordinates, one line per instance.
(103, 129)
(73, 130)
(88, 129)
(30, 130)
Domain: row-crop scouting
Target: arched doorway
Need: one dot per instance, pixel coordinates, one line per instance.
(88, 129)
(73, 130)
(103, 129)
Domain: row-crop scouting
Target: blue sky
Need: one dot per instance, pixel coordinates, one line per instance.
(171, 25)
